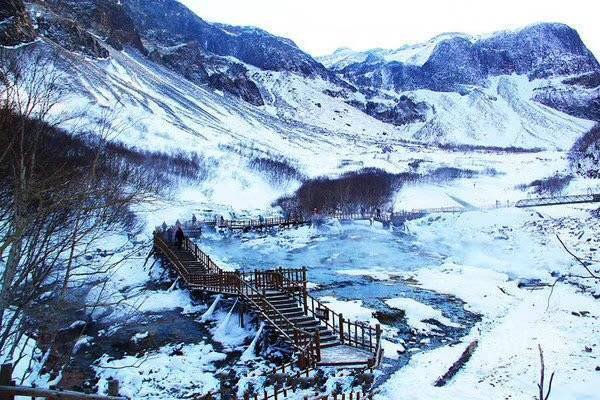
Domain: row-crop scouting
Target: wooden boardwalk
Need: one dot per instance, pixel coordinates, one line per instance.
(281, 299)
(387, 219)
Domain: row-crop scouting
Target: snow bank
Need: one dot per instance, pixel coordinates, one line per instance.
(513, 322)
(172, 372)
(156, 301)
(416, 313)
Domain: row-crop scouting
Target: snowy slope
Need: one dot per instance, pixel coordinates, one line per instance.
(165, 112)
(503, 114)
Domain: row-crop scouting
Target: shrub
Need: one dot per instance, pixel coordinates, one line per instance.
(549, 186)
(368, 188)
(277, 172)
(584, 157)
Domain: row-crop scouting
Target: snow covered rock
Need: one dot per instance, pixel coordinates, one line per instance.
(585, 155)
(16, 27)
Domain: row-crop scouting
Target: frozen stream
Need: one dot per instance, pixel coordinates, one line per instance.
(356, 267)
(331, 252)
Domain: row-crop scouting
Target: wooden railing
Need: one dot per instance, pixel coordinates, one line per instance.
(285, 392)
(9, 390)
(352, 333)
(357, 216)
(251, 288)
(387, 216)
(282, 391)
(343, 396)
(304, 343)
(556, 200)
(292, 279)
(256, 223)
(201, 256)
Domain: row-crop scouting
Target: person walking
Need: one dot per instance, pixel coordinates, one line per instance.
(179, 237)
(170, 235)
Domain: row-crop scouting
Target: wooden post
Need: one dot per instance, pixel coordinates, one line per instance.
(363, 335)
(241, 315)
(304, 291)
(341, 328)
(6, 380)
(318, 344)
(113, 388)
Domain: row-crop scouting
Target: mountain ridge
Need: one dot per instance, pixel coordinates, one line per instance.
(453, 89)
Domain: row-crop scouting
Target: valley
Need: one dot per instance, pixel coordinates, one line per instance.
(191, 118)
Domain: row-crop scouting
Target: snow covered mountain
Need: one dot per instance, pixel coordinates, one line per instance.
(526, 88)
(410, 54)
(405, 85)
(449, 61)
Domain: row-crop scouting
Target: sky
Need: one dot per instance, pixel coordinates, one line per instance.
(321, 26)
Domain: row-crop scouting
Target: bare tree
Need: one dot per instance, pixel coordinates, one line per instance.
(590, 274)
(60, 194)
(544, 394)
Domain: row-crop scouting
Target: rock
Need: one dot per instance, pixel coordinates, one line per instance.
(69, 35)
(73, 21)
(16, 27)
(389, 316)
(531, 284)
(458, 60)
(170, 23)
(241, 87)
(403, 112)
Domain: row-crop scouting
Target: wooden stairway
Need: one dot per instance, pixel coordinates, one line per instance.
(280, 297)
(288, 306)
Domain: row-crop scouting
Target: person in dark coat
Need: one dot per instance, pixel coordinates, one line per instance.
(179, 236)
(170, 234)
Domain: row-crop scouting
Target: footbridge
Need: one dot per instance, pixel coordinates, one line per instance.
(317, 335)
(558, 200)
(391, 218)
